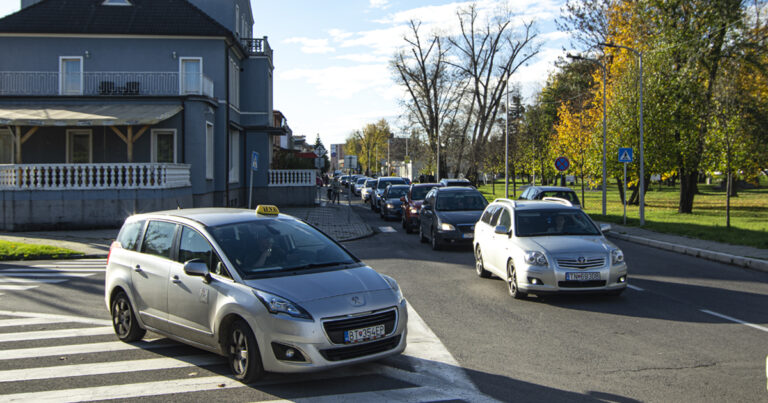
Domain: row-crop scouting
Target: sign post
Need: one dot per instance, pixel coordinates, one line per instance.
(625, 156)
(254, 168)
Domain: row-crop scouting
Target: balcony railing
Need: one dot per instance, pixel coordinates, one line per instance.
(146, 83)
(257, 47)
(292, 177)
(93, 176)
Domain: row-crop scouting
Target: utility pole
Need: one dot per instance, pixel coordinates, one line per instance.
(642, 161)
(506, 140)
(602, 66)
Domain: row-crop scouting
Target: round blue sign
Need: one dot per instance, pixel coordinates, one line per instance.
(562, 163)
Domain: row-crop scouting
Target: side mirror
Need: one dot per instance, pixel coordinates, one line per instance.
(605, 227)
(501, 230)
(196, 267)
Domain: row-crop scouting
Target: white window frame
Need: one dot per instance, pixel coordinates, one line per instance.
(72, 132)
(153, 147)
(4, 131)
(61, 74)
(234, 156)
(237, 21)
(209, 151)
(181, 76)
(234, 83)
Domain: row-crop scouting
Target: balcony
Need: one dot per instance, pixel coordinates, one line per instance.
(257, 47)
(121, 176)
(103, 83)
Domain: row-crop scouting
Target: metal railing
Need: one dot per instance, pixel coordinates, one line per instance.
(292, 177)
(93, 176)
(257, 47)
(147, 83)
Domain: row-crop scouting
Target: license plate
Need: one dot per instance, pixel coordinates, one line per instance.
(582, 276)
(468, 235)
(366, 333)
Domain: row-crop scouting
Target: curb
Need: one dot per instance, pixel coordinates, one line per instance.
(741, 261)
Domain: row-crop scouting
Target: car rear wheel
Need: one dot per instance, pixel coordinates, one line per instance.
(514, 291)
(479, 268)
(243, 353)
(124, 321)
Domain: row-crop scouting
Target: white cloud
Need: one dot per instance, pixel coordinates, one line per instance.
(342, 82)
(364, 58)
(382, 4)
(338, 34)
(312, 46)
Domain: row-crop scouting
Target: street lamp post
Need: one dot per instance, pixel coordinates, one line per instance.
(642, 161)
(506, 141)
(602, 66)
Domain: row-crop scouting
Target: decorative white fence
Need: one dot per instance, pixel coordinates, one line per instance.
(93, 176)
(292, 177)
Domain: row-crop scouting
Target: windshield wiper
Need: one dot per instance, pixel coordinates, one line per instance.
(315, 265)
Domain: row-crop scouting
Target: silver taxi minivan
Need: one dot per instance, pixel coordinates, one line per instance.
(268, 291)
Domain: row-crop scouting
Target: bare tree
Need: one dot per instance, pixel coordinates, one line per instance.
(489, 53)
(422, 69)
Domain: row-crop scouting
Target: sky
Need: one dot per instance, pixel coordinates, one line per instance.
(331, 57)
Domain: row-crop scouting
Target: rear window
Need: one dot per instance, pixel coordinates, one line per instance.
(159, 238)
(570, 196)
(460, 201)
(129, 234)
(383, 183)
(420, 192)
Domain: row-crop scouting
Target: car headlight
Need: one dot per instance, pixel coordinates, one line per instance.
(535, 258)
(447, 227)
(617, 256)
(390, 205)
(414, 210)
(276, 304)
(394, 286)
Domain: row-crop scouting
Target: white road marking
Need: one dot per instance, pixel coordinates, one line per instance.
(104, 368)
(416, 394)
(28, 280)
(67, 318)
(52, 270)
(726, 317)
(45, 274)
(56, 334)
(634, 287)
(17, 287)
(28, 322)
(132, 390)
(387, 229)
(73, 349)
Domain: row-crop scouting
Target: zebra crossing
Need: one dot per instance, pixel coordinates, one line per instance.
(47, 357)
(15, 277)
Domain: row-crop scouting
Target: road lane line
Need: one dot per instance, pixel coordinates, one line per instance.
(634, 287)
(56, 334)
(68, 318)
(105, 368)
(52, 270)
(29, 280)
(17, 287)
(73, 349)
(29, 322)
(726, 317)
(46, 274)
(132, 390)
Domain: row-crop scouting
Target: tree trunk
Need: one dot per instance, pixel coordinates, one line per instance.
(688, 190)
(620, 184)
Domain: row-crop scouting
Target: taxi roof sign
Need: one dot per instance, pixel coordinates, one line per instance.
(267, 209)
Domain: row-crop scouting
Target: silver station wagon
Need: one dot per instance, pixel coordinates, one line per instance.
(269, 292)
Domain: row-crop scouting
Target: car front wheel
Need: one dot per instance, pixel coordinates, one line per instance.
(435, 242)
(124, 321)
(479, 268)
(243, 353)
(514, 291)
(422, 238)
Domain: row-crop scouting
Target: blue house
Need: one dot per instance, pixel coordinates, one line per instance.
(110, 107)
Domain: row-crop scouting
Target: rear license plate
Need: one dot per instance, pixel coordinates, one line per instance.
(366, 333)
(582, 276)
(468, 235)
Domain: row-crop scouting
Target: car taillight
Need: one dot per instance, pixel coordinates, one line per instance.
(114, 245)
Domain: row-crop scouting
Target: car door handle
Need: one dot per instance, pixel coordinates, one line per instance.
(137, 269)
(175, 279)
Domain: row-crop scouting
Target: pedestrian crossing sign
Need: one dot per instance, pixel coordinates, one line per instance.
(626, 155)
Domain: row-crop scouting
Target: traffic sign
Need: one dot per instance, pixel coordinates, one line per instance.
(562, 163)
(255, 160)
(626, 154)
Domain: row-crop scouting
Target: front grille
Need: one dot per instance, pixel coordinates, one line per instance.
(466, 228)
(588, 263)
(581, 284)
(335, 329)
(348, 353)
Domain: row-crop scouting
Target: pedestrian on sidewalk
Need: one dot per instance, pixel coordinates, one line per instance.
(335, 190)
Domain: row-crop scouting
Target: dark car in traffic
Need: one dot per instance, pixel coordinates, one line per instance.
(391, 201)
(455, 182)
(412, 203)
(449, 215)
(380, 186)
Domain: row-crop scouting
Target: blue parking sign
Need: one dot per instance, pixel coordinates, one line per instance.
(255, 161)
(626, 154)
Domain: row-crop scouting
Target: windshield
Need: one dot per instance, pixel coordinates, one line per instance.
(553, 223)
(383, 183)
(460, 201)
(263, 247)
(420, 192)
(360, 181)
(370, 182)
(396, 193)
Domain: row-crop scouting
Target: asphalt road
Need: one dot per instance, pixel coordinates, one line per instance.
(688, 330)
(674, 336)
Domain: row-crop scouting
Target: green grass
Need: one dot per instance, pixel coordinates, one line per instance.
(749, 212)
(24, 251)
